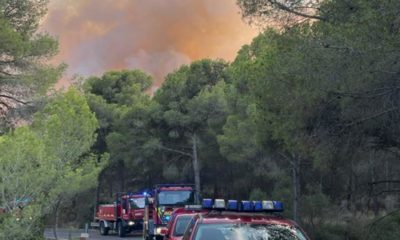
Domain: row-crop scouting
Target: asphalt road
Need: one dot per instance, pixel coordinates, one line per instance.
(93, 235)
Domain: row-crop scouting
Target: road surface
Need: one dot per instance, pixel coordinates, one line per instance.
(93, 235)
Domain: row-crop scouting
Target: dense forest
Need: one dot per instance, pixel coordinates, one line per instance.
(307, 113)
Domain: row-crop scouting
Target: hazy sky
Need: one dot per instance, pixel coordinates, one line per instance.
(156, 36)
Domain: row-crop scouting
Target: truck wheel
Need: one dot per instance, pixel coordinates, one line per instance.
(103, 229)
(121, 230)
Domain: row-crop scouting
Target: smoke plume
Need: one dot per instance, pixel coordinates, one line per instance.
(156, 36)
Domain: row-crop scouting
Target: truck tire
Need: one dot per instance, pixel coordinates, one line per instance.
(121, 230)
(103, 229)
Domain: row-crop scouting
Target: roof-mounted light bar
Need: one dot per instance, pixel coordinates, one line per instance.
(243, 206)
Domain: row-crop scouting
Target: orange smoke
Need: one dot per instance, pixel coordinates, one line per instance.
(156, 36)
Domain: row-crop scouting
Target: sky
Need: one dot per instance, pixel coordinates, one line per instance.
(156, 36)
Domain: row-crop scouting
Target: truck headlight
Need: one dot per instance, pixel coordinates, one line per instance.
(131, 223)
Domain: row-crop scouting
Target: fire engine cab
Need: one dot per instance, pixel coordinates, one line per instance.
(124, 215)
(164, 199)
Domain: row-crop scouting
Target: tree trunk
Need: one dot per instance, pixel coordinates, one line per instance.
(97, 197)
(195, 163)
(56, 216)
(350, 189)
(110, 186)
(296, 186)
(387, 174)
(121, 170)
(375, 204)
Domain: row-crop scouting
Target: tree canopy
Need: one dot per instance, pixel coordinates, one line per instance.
(46, 163)
(24, 74)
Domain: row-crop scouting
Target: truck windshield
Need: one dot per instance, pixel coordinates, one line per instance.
(248, 232)
(176, 197)
(137, 203)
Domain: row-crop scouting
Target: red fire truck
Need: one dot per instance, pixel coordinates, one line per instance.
(124, 215)
(164, 199)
